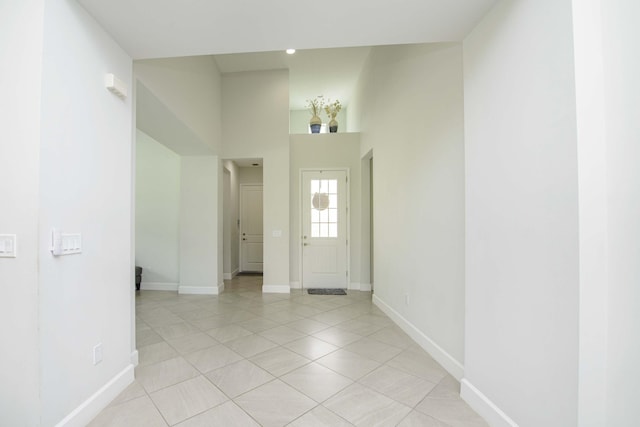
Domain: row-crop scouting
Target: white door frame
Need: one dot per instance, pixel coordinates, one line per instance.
(301, 215)
(240, 207)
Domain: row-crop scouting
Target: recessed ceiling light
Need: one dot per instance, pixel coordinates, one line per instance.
(291, 51)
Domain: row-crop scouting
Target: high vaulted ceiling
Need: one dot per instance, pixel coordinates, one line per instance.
(168, 28)
(248, 35)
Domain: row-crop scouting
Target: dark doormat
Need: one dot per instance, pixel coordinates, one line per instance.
(249, 273)
(325, 291)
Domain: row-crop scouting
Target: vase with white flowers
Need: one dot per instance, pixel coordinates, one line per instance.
(315, 107)
(332, 109)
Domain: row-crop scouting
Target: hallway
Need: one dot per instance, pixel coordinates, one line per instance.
(245, 358)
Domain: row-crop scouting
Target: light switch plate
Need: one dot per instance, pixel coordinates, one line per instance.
(8, 246)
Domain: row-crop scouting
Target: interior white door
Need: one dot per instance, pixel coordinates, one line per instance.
(324, 229)
(251, 231)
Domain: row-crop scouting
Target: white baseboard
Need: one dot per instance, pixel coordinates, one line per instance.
(355, 286)
(483, 406)
(134, 358)
(201, 290)
(83, 414)
(158, 286)
(365, 287)
(295, 285)
(452, 366)
(276, 289)
(229, 276)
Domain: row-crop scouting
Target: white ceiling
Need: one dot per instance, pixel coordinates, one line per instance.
(249, 35)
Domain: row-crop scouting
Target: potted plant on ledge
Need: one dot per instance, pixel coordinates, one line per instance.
(332, 109)
(315, 107)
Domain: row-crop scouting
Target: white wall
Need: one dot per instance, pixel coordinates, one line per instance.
(251, 175)
(21, 40)
(341, 150)
(191, 88)
(157, 213)
(410, 101)
(85, 187)
(622, 88)
(299, 121)
(255, 124)
(521, 346)
(200, 225)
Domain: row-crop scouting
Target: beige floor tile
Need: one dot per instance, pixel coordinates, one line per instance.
(176, 330)
(165, 373)
(190, 343)
(364, 407)
(257, 324)
(239, 377)
(275, 403)
(393, 336)
(282, 334)
(279, 361)
(226, 415)
(229, 333)
(320, 417)
(186, 399)
(348, 364)
(417, 419)
(336, 336)
(311, 348)
(316, 381)
(373, 349)
(155, 353)
(398, 385)
(308, 326)
(420, 364)
(208, 323)
(251, 345)
(137, 412)
(454, 412)
(359, 341)
(360, 327)
(213, 358)
(133, 391)
(147, 337)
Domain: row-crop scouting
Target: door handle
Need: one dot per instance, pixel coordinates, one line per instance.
(244, 238)
(305, 244)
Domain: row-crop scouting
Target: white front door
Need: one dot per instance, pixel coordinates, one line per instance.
(251, 227)
(324, 229)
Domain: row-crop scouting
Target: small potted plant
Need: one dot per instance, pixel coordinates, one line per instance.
(315, 107)
(332, 109)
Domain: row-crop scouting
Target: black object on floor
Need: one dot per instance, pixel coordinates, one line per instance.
(138, 277)
(325, 291)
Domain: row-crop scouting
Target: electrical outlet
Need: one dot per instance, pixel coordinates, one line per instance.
(406, 299)
(97, 353)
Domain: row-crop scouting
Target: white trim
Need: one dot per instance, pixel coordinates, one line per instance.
(229, 276)
(276, 289)
(365, 287)
(452, 366)
(158, 286)
(201, 290)
(295, 285)
(484, 407)
(134, 358)
(83, 414)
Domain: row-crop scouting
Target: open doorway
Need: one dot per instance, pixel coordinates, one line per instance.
(242, 213)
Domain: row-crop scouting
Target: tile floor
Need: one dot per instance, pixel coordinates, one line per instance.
(247, 359)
